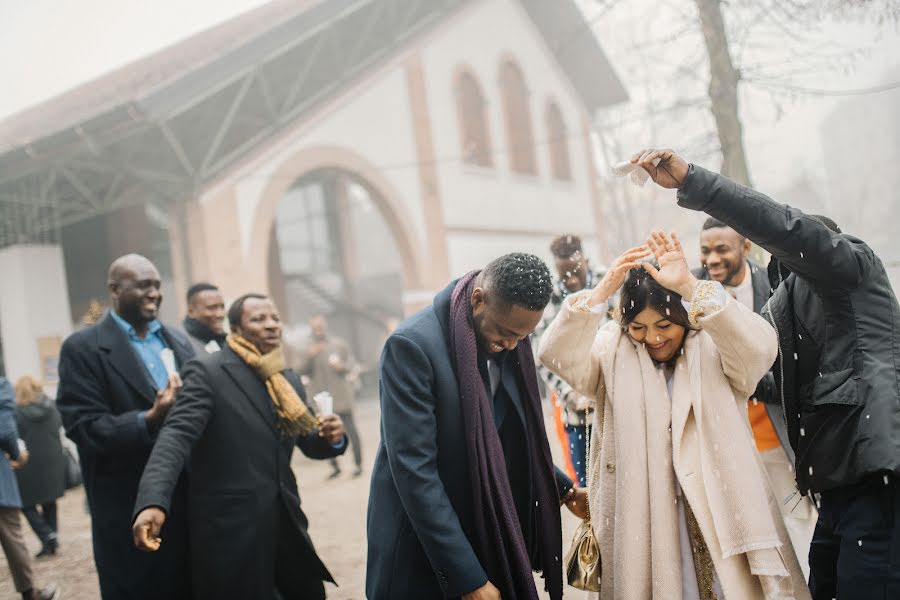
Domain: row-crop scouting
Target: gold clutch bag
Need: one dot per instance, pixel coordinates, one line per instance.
(583, 566)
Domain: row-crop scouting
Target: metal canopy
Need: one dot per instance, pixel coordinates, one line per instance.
(158, 129)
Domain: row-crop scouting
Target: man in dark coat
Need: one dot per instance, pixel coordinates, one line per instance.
(204, 324)
(463, 507)
(724, 257)
(232, 427)
(838, 373)
(114, 393)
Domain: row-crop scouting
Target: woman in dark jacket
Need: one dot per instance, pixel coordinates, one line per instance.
(42, 479)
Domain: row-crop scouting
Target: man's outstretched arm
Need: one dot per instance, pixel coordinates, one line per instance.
(803, 243)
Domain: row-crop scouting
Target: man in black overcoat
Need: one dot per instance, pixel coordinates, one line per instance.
(114, 392)
(235, 426)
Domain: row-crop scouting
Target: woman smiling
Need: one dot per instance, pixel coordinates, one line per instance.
(679, 501)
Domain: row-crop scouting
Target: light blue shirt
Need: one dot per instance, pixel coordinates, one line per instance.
(147, 349)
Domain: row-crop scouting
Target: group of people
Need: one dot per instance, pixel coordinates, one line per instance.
(734, 432)
(185, 436)
(722, 412)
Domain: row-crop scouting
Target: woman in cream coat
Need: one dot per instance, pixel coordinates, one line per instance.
(679, 500)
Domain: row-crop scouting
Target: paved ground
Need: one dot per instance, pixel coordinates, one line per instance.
(336, 510)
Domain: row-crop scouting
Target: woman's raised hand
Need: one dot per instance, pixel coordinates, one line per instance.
(673, 273)
(615, 277)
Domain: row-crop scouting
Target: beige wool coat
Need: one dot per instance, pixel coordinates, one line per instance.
(709, 449)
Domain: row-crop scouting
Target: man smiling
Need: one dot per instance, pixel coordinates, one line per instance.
(205, 320)
(114, 393)
(465, 499)
(237, 421)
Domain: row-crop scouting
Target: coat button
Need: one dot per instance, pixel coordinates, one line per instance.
(610, 467)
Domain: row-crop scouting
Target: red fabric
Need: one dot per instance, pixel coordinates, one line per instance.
(563, 437)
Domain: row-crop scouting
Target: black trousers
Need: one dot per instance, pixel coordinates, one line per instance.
(42, 521)
(353, 434)
(855, 550)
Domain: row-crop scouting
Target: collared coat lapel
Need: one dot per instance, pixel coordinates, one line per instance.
(179, 345)
(759, 277)
(683, 402)
(252, 386)
(123, 359)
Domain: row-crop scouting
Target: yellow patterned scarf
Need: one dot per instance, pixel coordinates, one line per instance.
(294, 418)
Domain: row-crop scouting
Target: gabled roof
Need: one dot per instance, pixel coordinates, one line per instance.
(160, 127)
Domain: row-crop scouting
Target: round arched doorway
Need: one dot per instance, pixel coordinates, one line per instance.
(333, 253)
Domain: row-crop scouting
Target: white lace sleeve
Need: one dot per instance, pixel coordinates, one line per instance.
(709, 297)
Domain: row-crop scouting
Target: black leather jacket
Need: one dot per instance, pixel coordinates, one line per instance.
(838, 324)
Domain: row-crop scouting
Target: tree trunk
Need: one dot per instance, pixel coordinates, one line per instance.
(723, 82)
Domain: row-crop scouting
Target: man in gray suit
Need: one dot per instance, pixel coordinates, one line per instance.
(724, 255)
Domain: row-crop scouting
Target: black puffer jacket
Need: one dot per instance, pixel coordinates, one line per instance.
(838, 323)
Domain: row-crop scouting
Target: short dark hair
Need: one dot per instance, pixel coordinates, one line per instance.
(641, 291)
(566, 246)
(827, 223)
(519, 279)
(199, 287)
(714, 223)
(237, 307)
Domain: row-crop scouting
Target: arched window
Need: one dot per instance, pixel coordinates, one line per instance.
(557, 142)
(519, 138)
(473, 125)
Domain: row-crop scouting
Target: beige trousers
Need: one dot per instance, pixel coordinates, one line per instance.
(15, 549)
(799, 512)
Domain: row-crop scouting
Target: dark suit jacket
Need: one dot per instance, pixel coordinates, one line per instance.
(103, 385)
(766, 392)
(242, 492)
(420, 509)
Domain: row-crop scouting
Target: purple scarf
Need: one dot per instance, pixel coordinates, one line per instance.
(499, 543)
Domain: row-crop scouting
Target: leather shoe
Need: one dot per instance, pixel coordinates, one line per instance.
(51, 592)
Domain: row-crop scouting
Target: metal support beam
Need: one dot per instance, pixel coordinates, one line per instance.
(82, 189)
(177, 148)
(227, 121)
(311, 60)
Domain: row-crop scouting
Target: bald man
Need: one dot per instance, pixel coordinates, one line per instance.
(115, 390)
